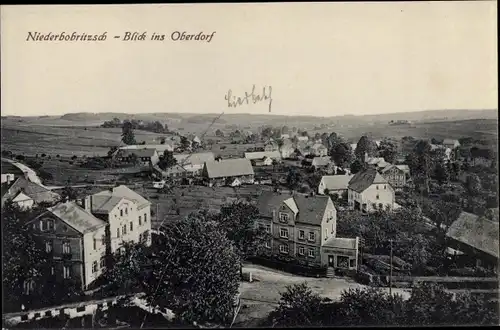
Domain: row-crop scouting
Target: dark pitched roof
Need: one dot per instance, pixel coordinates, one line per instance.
(311, 208)
(269, 201)
(229, 168)
(35, 191)
(137, 152)
(81, 220)
(477, 232)
(127, 193)
(364, 179)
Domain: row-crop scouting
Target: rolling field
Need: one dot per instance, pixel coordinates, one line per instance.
(66, 141)
(34, 136)
(187, 199)
(476, 128)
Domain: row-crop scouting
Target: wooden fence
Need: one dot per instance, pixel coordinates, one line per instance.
(71, 310)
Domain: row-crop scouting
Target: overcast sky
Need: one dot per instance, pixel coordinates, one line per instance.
(320, 59)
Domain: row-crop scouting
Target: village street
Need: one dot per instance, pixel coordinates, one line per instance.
(262, 295)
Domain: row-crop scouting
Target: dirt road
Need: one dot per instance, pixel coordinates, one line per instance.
(262, 296)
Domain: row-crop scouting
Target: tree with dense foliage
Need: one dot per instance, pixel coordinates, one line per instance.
(23, 258)
(285, 130)
(473, 184)
(219, 133)
(441, 173)
(365, 146)
(128, 136)
(324, 139)
(68, 193)
(294, 178)
(370, 307)
(298, 307)
(167, 160)
(357, 166)
(112, 150)
(157, 127)
(388, 149)
(407, 227)
(238, 220)
(428, 305)
(267, 132)
(126, 270)
(185, 143)
(341, 154)
(195, 272)
(332, 140)
(421, 165)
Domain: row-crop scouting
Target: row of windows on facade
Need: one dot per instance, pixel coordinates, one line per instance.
(95, 265)
(284, 248)
(284, 233)
(355, 194)
(129, 158)
(66, 246)
(49, 224)
(374, 206)
(377, 196)
(131, 225)
(285, 217)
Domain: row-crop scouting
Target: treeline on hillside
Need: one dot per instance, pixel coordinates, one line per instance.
(153, 126)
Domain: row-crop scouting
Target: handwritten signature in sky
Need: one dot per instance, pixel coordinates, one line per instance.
(233, 101)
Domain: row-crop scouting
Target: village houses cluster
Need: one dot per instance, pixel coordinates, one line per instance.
(80, 233)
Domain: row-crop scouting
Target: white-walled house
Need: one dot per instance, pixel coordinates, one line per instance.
(334, 184)
(27, 194)
(128, 215)
(369, 191)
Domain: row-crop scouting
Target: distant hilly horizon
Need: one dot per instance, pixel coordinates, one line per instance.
(410, 115)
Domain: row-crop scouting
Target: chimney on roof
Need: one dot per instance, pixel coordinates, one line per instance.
(86, 203)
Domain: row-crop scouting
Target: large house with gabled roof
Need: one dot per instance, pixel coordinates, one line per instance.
(79, 235)
(27, 194)
(303, 227)
(298, 224)
(369, 191)
(473, 241)
(76, 241)
(233, 172)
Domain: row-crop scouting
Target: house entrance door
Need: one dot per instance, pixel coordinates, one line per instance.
(330, 261)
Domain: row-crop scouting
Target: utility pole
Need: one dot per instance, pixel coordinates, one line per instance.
(390, 276)
(157, 208)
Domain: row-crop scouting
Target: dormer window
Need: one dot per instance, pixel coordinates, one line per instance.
(284, 217)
